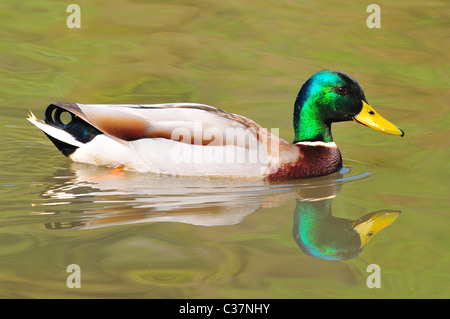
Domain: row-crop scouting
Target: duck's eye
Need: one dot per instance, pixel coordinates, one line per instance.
(341, 90)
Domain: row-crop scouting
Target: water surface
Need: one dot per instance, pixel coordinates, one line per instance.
(144, 236)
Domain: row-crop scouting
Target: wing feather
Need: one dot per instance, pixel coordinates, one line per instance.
(184, 122)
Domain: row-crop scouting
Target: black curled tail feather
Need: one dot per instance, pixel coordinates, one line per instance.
(81, 130)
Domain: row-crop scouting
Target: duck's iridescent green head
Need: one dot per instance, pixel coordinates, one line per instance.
(332, 96)
(319, 234)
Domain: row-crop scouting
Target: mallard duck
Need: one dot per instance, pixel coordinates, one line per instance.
(201, 140)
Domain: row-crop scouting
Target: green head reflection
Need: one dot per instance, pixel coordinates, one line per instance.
(321, 235)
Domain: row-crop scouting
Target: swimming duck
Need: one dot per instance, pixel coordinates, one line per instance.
(200, 140)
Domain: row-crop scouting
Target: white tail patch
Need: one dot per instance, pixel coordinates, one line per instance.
(54, 132)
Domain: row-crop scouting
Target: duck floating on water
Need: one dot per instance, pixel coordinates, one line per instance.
(200, 140)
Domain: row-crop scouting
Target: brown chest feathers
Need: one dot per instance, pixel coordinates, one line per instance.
(312, 161)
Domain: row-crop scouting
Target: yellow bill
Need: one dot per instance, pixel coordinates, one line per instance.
(368, 225)
(372, 119)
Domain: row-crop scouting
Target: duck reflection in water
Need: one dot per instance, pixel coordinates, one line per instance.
(319, 234)
(135, 198)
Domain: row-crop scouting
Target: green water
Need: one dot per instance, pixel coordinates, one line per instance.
(143, 236)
